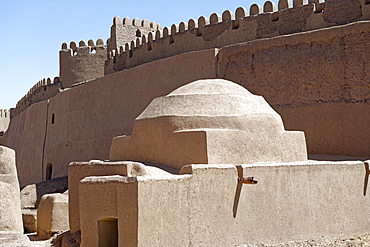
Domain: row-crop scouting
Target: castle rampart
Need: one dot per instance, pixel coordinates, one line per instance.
(134, 42)
(126, 30)
(219, 31)
(81, 63)
(321, 89)
(316, 80)
(315, 77)
(42, 90)
(79, 124)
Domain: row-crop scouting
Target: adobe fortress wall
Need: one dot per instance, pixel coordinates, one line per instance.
(86, 61)
(135, 42)
(316, 80)
(82, 62)
(79, 124)
(232, 28)
(42, 90)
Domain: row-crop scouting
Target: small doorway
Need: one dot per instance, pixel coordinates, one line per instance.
(108, 232)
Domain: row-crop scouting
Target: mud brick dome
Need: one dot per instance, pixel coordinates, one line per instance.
(209, 122)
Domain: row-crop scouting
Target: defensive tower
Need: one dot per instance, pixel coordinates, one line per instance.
(83, 62)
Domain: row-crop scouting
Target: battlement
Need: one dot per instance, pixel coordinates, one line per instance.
(136, 23)
(82, 49)
(134, 42)
(42, 90)
(4, 120)
(125, 30)
(232, 28)
(82, 62)
(4, 113)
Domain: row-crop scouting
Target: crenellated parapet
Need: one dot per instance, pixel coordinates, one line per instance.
(4, 120)
(84, 48)
(82, 62)
(265, 21)
(42, 90)
(125, 30)
(134, 42)
(4, 113)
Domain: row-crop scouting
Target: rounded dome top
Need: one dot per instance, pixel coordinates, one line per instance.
(209, 122)
(207, 98)
(210, 86)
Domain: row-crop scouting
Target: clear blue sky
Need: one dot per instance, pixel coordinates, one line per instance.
(32, 31)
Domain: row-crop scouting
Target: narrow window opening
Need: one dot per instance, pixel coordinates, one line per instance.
(49, 171)
(108, 232)
(53, 118)
(138, 33)
(149, 46)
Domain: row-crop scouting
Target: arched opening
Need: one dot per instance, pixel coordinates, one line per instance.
(138, 33)
(108, 232)
(49, 171)
(53, 118)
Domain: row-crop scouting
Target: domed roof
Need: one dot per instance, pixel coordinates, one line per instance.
(209, 122)
(210, 86)
(211, 97)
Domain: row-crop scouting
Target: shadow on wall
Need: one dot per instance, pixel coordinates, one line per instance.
(31, 194)
(56, 185)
